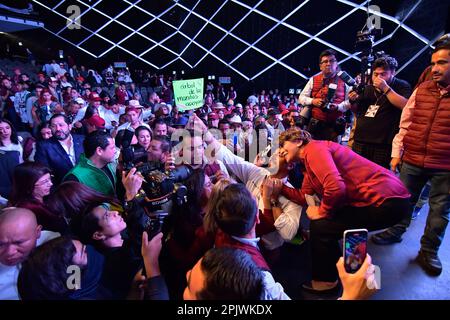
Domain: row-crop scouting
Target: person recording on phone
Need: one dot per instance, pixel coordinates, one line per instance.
(353, 191)
(378, 108)
(326, 97)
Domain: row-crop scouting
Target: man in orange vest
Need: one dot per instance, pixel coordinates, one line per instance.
(327, 96)
(423, 146)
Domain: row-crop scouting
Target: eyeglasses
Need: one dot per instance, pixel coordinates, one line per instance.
(328, 61)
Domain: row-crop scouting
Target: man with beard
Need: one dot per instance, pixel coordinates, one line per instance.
(62, 151)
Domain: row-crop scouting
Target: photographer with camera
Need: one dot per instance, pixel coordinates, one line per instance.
(378, 108)
(327, 97)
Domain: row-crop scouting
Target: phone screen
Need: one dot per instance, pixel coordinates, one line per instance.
(355, 249)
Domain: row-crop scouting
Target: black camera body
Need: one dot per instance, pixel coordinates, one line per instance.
(365, 39)
(159, 191)
(155, 223)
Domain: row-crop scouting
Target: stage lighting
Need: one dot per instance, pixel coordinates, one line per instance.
(61, 54)
(20, 44)
(182, 71)
(174, 72)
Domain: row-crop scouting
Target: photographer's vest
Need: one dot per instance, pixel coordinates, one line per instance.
(427, 142)
(93, 177)
(320, 90)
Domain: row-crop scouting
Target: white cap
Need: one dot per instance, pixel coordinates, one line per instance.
(134, 103)
(236, 119)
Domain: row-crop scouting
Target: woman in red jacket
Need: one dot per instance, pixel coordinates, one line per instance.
(353, 192)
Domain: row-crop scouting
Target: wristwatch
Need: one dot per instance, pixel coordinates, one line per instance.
(274, 203)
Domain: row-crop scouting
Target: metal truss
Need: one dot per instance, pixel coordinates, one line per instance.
(208, 21)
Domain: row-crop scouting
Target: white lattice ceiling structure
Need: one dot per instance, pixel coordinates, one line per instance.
(243, 35)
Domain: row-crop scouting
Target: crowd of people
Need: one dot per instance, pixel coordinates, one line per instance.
(111, 191)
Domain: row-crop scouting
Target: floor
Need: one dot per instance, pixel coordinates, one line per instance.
(401, 277)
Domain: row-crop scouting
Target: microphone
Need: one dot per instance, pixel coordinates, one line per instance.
(346, 78)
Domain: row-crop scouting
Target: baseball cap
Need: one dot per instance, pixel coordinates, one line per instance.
(236, 119)
(96, 121)
(213, 116)
(79, 101)
(93, 96)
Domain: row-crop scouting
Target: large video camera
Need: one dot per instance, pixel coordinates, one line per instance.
(131, 154)
(364, 43)
(158, 192)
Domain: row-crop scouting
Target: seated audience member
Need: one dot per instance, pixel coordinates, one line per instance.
(9, 140)
(31, 186)
(354, 192)
(236, 216)
(97, 166)
(133, 112)
(160, 128)
(62, 151)
(95, 122)
(44, 132)
(19, 235)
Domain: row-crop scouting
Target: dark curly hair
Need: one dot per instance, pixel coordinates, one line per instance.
(230, 274)
(43, 275)
(385, 62)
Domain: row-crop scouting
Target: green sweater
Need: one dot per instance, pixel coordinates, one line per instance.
(88, 174)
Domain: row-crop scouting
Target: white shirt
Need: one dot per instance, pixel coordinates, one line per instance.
(9, 274)
(20, 100)
(29, 106)
(253, 176)
(306, 100)
(109, 116)
(69, 150)
(272, 290)
(127, 126)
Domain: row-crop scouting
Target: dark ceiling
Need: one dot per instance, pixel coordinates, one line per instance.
(276, 43)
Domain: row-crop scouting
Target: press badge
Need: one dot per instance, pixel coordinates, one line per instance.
(372, 111)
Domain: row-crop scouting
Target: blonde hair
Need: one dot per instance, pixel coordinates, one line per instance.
(209, 223)
(295, 134)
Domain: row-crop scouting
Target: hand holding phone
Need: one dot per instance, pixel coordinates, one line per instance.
(355, 249)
